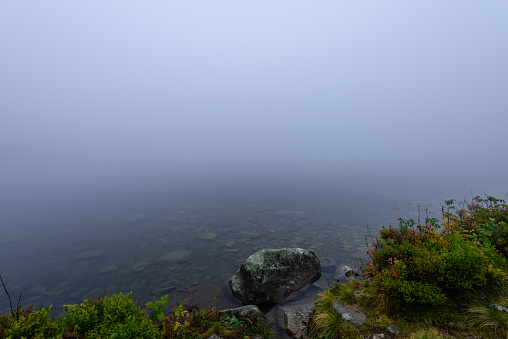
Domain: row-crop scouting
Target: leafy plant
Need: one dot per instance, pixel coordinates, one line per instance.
(420, 265)
(483, 221)
(117, 316)
(31, 323)
(157, 309)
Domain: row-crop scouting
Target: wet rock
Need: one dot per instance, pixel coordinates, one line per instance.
(251, 312)
(176, 256)
(393, 329)
(350, 314)
(345, 272)
(357, 295)
(270, 275)
(296, 320)
(89, 255)
(499, 308)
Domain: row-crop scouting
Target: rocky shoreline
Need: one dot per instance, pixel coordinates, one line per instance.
(277, 278)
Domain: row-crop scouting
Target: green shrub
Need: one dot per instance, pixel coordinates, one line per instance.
(483, 221)
(421, 264)
(111, 317)
(33, 324)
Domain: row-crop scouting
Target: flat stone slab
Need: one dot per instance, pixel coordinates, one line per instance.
(350, 314)
(176, 256)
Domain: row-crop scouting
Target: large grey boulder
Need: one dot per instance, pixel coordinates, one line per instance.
(270, 275)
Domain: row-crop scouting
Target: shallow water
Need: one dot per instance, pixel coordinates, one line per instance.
(187, 250)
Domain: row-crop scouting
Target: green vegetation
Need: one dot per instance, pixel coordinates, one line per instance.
(119, 316)
(433, 280)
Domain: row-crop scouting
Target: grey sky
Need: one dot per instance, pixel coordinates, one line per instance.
(103, 91)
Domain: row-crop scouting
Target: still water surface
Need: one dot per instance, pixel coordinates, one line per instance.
(189, 249)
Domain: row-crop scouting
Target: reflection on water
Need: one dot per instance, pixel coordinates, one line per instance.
(186, 249)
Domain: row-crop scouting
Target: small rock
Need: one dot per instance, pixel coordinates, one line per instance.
(357, 294)
(393, 329)
(499, 308)
(350, 314)
(251, 312)
(296, 320)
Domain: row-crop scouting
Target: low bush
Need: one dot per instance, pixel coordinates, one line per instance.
(421, 264)
(30, 323)
(117, 316)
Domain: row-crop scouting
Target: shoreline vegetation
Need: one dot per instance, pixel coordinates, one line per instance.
(427, 278)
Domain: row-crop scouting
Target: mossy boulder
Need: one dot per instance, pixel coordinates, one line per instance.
(270, 275)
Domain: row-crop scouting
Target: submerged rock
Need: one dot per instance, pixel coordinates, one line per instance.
(108, 268)
(139, 266)
(270, 275)
(176, 256)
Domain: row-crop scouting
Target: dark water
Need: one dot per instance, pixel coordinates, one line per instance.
(189, 244)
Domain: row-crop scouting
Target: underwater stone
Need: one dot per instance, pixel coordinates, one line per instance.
(177, 256)
(270, 275)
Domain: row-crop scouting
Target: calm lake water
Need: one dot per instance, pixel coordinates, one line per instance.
(189, 247)
(187, 243)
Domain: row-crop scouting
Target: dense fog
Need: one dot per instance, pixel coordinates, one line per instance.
(121, 102)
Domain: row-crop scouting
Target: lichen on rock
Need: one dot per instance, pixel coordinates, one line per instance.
(270, 275)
